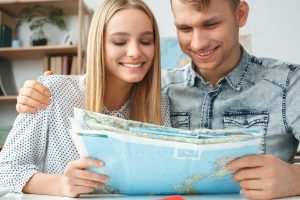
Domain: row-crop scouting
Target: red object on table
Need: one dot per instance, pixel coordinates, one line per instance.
(175, 197)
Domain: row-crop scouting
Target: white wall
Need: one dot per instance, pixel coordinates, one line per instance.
(273, 24)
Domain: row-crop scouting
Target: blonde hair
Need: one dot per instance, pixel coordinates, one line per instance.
(145, 96)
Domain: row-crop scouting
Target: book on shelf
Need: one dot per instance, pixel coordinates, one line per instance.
(6, 34)
(7, 20)
(65, 64)
(7, 81)
(46, 63)
(74, 66)
(7, 29)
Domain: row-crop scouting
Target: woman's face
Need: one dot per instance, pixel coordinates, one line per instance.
(129, 46)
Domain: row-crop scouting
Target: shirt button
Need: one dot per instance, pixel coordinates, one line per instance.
(245, 122)
(206, 125)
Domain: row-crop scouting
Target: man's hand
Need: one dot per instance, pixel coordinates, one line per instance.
(32, 96)
(77, 180)
(266, 177)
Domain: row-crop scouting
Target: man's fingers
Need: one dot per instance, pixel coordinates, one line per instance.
(250, 161)
(249, 173)
(27, 94)
(252, 184)
(35, 85)
(256, 194)
(20, 108)
(23, 100)
(48, 73)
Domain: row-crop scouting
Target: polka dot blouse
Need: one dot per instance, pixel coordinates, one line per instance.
(41, 142)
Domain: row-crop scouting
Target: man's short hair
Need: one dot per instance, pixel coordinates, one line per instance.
(203, 4)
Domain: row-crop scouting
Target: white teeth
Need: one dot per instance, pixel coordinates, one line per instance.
(205, 53)
(132, 65)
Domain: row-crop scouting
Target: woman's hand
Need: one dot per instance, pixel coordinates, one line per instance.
(33, 95)
(78, 180)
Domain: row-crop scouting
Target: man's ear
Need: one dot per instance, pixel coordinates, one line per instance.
(242, 12)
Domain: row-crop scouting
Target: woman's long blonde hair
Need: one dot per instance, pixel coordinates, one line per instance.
(145, 96)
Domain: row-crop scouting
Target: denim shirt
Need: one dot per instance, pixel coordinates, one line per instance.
(258, 93)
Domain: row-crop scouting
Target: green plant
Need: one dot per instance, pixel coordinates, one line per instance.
(38, 16)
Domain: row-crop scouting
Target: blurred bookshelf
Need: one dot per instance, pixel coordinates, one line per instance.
(74, 53)
(8, 99)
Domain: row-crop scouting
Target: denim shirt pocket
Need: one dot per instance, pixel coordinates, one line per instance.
(180, 120)
(237, 119)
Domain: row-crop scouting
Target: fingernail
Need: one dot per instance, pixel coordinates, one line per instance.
(47, 92)
(100, 163)
(48, 101)
(101, 186)
(105, 179)
(229, 168)
(43, 106)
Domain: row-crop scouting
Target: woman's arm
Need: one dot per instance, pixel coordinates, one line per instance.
(75, 180)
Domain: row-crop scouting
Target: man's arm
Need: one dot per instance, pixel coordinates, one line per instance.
(32, 96)
(266, 177)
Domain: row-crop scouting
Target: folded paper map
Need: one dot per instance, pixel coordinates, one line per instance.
(143, 159)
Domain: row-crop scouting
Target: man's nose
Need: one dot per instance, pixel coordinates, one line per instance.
(199, 40)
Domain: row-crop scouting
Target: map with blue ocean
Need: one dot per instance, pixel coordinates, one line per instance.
(146, 159)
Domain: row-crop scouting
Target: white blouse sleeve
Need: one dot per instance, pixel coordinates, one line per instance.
(165, 109)
(23, 153)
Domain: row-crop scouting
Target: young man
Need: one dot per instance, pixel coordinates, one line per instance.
(223, 88)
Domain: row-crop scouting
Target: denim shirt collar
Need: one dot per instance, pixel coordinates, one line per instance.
(235, 78)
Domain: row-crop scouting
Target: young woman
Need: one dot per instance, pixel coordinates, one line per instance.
(122, 79)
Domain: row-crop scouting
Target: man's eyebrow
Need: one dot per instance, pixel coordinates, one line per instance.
(181, 25)
(210, 20)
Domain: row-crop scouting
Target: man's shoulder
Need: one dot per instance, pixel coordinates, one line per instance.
(175, 76)
(273, 70)
(271, 64)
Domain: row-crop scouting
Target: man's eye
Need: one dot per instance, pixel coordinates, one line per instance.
(185, 30)
(213, 25)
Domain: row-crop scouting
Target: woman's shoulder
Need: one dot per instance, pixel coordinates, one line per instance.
(63, 82)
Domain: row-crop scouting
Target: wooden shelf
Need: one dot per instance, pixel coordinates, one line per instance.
(69, 7)
(8, 99)
(37, 52)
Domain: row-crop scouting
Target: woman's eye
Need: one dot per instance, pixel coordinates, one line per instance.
(119, 43)
(146, 42)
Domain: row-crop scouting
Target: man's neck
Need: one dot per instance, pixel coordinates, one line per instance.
(213, 76)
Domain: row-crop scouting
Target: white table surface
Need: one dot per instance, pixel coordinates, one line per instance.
(12, 196)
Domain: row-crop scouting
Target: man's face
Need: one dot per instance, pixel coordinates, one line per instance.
(210, 36)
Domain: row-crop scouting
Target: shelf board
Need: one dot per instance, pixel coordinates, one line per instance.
(36, 52)
(8, 99)
(69, 7)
